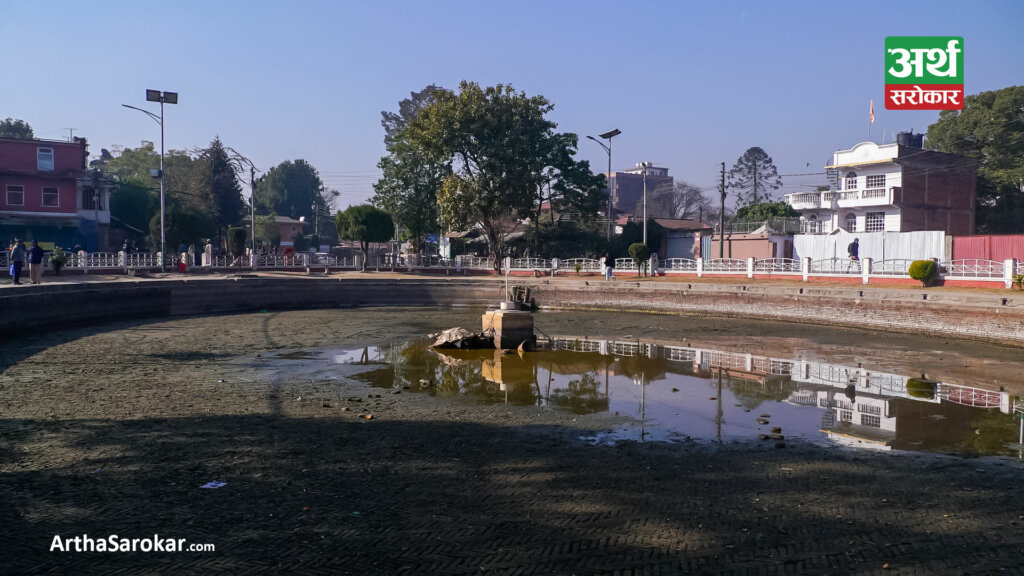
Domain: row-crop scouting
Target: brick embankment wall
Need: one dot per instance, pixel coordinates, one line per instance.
(982, 317)
(988, 317)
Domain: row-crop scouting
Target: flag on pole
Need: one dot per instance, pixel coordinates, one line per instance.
(872, 111)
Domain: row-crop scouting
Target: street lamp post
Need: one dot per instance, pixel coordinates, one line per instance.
(644, 165)
(169, 98)
(608, 136)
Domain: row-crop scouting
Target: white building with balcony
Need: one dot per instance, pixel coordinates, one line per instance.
(892, 188)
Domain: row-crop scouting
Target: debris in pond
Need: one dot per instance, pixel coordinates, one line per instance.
(327, 404)
(214, 484)
(464, 339)
(675, 389)
(762, 421)
(221, 381)
(776, 430)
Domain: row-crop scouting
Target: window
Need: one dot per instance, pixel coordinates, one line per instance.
(851, 222)
(15, 195)
(845, 416)
(869, 409)
(44, 159)
(91, 200)
(874, 222)
(51, 197)
(876, 181)
(851, 181)
(873, 421)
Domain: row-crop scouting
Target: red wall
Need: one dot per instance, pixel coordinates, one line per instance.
(996, 248)
(18, 166)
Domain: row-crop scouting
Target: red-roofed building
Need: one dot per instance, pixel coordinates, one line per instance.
(46, 194)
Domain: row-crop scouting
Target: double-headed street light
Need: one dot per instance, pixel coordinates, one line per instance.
(645, 166)
(169, 98)
(608, 136)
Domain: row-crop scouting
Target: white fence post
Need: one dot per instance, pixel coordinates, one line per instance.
(805, 267)
(1009, 269)
(865, 269)
(83, 257)
(750, 267)
(700, 267)
(554, 266)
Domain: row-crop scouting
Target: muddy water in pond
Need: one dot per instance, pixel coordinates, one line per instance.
(682, 391)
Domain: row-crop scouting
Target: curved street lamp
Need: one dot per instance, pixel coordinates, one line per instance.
(608, 136)
(169, 98)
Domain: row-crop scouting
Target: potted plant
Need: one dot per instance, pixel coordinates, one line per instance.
(58, 259)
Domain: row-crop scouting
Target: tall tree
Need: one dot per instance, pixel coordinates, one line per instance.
(291, 189)
(11, 128)
(365, 224)
(754, 177)
(411, 178)
(501, 150)
(408, 108)
(991, 129)
(219, 166)
(681, 200)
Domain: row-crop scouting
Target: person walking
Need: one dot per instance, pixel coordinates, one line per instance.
(35, 263)
(853, 250)
(609, 267)
(17, 260)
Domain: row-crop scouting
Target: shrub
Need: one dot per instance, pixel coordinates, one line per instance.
(58, 259)
(639, 252)
(1018, 281)
(578, 267)
(924, 270)
(921, 388)
(236, 241)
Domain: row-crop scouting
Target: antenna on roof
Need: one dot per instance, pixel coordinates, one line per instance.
(71, 134)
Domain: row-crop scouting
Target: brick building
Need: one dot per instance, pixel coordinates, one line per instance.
(46, 194)
(629, 189)
(896, 187)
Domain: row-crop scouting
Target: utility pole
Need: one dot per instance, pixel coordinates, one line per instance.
(645, 165)
(252, 206)
(721, 218)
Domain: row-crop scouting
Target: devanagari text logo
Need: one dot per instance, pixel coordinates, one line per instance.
(924, 73)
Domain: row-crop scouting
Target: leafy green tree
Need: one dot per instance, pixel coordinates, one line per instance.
(502, 152)
(11, 128)
(183, 224)
(365, 224)
(291, 189)
(408, 109)
(753, 177)
(640, 253)
(267, 231)
(991, 129)
(218, 167)
(566, 185)
(411, 178)
(236, 242)
(766, 211)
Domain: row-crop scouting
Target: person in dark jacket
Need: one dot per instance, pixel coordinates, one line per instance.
(35, 263)
(17, 260)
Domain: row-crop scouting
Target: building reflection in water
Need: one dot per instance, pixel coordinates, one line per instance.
(663, 386)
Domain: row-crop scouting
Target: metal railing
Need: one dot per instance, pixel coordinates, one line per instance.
(894, 267)
(835, 266)
(972, 268)
(777, 265)
(725, 265)
(585, 264)
(531, 264)
(683, 264)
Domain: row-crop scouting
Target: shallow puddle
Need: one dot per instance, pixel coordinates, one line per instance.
(681, 393)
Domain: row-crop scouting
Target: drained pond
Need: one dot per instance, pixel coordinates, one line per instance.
(615, 376)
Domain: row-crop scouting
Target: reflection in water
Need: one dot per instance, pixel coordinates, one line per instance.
(680, 392)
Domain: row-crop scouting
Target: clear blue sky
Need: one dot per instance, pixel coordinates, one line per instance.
(690, 84)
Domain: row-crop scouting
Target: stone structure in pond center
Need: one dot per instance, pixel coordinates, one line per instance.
(511, 328)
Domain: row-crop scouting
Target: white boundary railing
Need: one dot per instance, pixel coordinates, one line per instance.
(978, 270)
